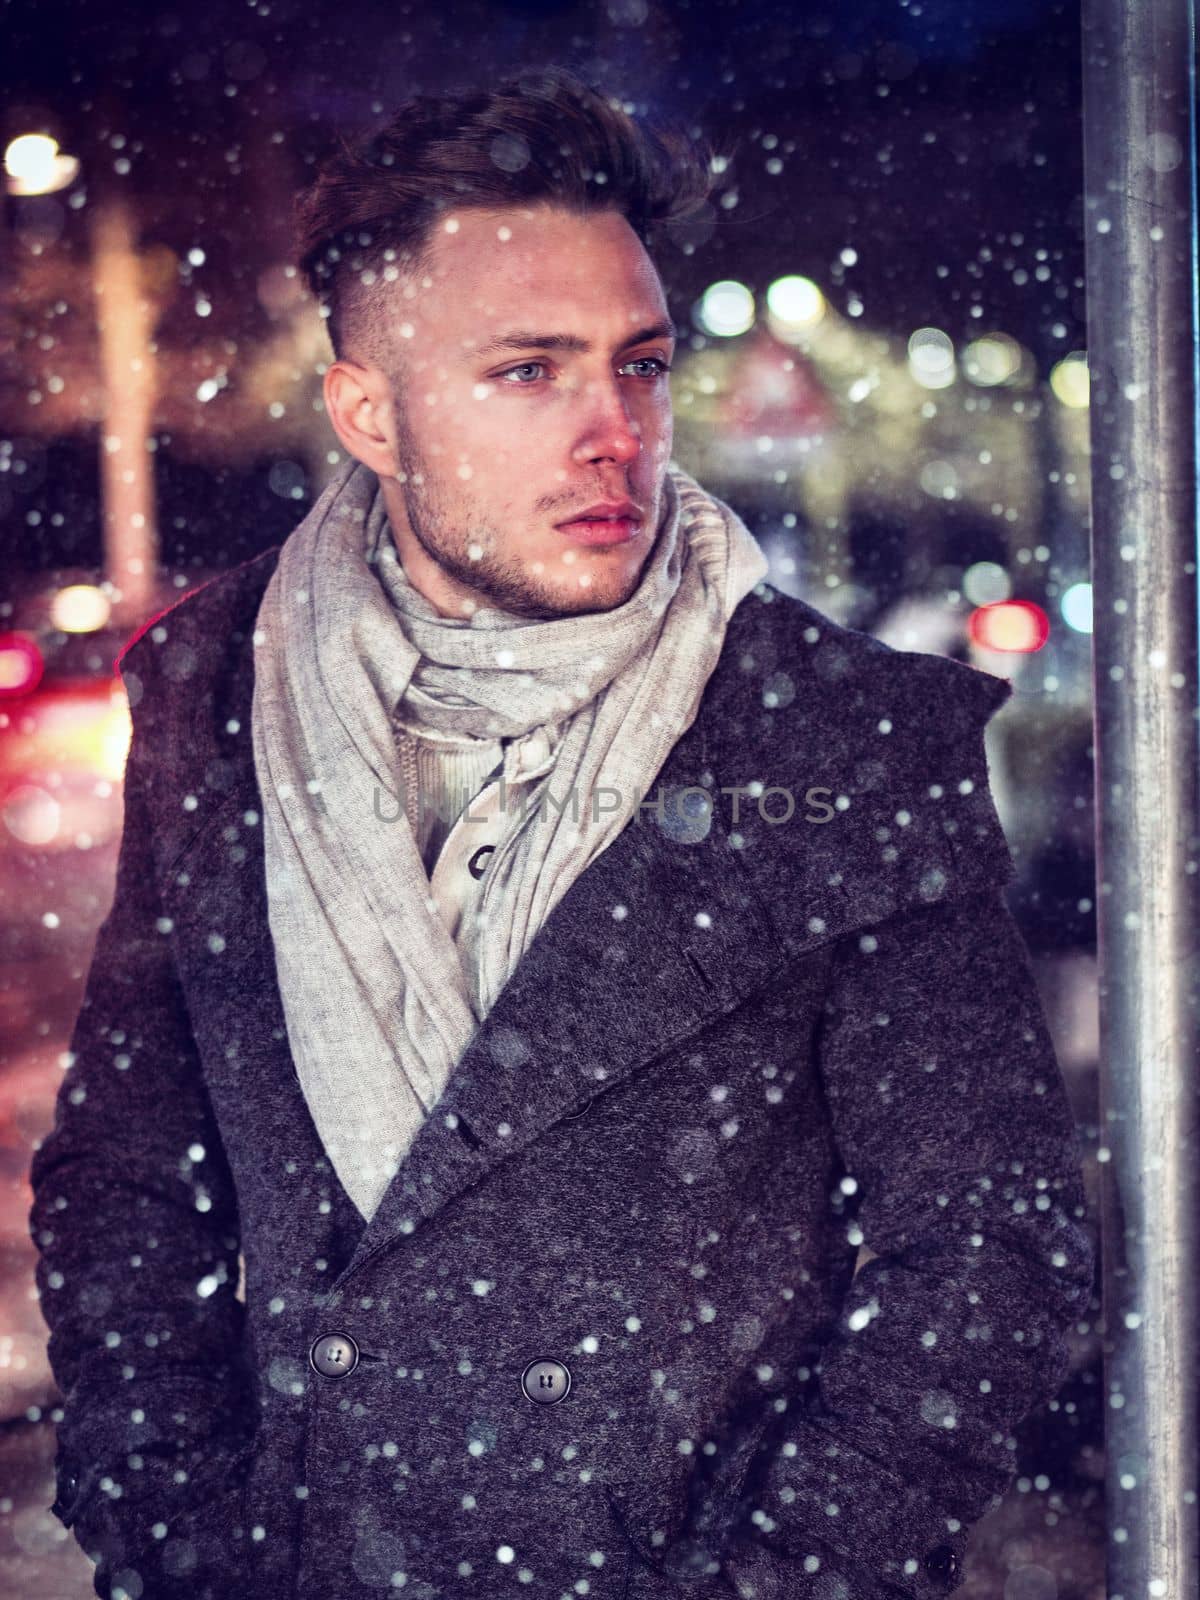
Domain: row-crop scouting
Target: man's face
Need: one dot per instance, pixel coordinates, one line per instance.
(529, 386)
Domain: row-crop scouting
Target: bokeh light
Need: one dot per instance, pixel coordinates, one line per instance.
(986, 582)
(80, 608)
(20, 664)
(1069, 380)
(1076, 607)
(795, 302)
(931, 358)
(726, 309)
(1014, 625)
(31, 814)
(993, 358)
(35, 165)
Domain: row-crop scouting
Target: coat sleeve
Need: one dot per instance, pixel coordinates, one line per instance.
(135, 1222)
(952, 1119)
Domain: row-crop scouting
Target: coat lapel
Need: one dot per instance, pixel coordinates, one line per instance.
(659, 936)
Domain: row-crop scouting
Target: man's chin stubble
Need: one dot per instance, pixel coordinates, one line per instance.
(536, 604)
(509, 588)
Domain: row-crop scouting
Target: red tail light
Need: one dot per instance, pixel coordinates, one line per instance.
(1017, 625)
(21, 664)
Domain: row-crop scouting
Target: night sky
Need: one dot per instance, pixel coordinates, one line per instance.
(940, 141)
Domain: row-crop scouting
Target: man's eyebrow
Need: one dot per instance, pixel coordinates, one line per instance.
(520, 339)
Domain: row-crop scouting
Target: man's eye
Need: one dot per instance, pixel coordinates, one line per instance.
(524, 367)
(641, 361)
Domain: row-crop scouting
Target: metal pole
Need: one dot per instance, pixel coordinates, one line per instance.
(1140, 223)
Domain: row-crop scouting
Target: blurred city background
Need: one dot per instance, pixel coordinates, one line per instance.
(883, 370)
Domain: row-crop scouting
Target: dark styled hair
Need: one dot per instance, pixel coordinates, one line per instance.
(365, 220)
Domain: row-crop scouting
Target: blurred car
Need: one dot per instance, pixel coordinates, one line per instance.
(64, 718)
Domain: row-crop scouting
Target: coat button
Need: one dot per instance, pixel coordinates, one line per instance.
(546, 1382)
(942, 1563)
(334, 1355)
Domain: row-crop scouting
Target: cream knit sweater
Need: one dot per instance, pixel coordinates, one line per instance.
(439, 779)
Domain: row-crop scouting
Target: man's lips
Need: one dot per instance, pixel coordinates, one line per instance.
(604, 522)
(587, 530)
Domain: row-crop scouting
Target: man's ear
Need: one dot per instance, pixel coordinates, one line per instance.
(358, 404)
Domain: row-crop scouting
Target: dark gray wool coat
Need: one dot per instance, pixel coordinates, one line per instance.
(603, 1336)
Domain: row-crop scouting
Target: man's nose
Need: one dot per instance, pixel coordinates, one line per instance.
(611, 432)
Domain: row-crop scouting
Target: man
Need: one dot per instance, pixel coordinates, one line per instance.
(548, 1130)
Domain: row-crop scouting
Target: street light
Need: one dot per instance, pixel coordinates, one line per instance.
(128, 303)
(35, 165)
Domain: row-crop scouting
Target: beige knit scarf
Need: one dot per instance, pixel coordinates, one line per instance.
(379, 1001)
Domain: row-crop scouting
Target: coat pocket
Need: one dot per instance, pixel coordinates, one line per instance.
(679, 1538)
(658, 1572)
(744, 1571)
